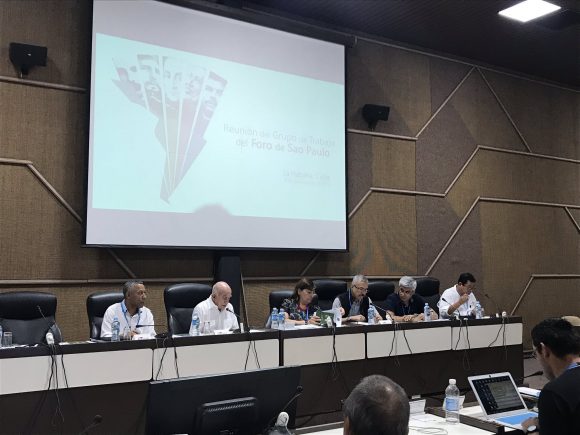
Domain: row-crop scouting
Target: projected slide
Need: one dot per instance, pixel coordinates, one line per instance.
(200, 137)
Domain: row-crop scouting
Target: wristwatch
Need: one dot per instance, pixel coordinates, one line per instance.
(532, 428)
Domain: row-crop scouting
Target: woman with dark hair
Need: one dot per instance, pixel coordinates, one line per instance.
(299, 309)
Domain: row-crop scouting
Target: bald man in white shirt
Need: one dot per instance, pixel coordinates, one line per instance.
(217, 309)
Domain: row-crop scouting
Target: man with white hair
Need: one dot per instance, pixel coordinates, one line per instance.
(404, 305)
(354, 304)
(217, 309)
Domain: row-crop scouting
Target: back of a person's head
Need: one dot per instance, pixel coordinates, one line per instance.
(559, 335)
(377, 406)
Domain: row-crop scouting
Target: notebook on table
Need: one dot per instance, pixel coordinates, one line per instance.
(500, 400)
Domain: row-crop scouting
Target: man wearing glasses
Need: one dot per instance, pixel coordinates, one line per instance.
(557, 348)
(404, 305)
(459, 299)
(354, 304)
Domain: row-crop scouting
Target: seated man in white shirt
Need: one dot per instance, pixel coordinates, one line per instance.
(459, 299)
(217, 310)
(131, 313)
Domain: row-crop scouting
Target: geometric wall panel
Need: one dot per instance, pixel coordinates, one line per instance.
(474, 130)
(384, 75)
(546, 115)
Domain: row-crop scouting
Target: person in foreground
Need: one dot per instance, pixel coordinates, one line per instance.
(377, 406)
(458, 299)
(217, 309)
(299, 309)
(130, 312)
(557, 348)
(404, 305)
(354, 304)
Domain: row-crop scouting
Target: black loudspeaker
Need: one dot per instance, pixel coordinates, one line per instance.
(373, 113)
(25, 56)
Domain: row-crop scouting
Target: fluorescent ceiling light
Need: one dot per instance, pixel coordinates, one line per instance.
(529, 10)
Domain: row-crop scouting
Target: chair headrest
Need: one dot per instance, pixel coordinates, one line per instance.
(327, 289)
(185, 295)
(97, 303)
(427, 286)
(380, 290)
(25, 305)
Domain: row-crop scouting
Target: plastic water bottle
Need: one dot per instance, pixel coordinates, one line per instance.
(427, 313)
(478, 310)
(1, 335)
(337, 317)
(371, 315)
(115, 329)
(482, 311)
(281, 319)
(274, 316)
(452, 402)
(194, 328)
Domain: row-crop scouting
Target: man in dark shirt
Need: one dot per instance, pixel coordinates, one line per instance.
(557, 348)
(404, 305)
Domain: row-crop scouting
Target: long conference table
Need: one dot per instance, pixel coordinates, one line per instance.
(62, 392)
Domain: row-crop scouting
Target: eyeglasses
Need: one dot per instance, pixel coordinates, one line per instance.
(407, 291)
(362, 289)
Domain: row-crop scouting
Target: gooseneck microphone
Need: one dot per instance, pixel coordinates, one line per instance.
(97, 420)
(239, 318)
(387, 314)
(154, 325)
(455, 313)
(538, 373)
(282, 417)
(49, 336)
(497, 311)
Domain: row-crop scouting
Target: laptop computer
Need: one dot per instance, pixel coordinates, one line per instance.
(500, 400)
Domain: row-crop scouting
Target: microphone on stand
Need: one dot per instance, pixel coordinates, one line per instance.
(455, 313)
(97, 420)
(387, 314)
(50, 336)
(154, 325)
(281, 426)
(239, 318)
(497, 311)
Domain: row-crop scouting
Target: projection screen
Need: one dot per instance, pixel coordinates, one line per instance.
(211, 132)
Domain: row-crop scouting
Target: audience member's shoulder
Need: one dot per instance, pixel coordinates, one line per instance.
(568, 379)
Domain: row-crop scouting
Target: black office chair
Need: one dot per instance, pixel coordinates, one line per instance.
(180, 300)
(428, 287)
(29, 316)
(379, 291)
(327, 290)
(97, 304)
(276, 298)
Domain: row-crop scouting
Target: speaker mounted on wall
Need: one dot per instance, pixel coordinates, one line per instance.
(373, 113)
(26, 56)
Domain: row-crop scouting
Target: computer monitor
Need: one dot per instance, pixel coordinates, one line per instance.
(237, 416)
(196, 404)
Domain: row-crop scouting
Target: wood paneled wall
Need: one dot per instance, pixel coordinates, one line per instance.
(475, 170)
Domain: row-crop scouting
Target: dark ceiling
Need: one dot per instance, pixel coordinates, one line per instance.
(548, 48)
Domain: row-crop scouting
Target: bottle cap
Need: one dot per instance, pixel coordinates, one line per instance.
(452, 381)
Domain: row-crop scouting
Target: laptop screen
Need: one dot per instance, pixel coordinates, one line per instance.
(497, 394)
